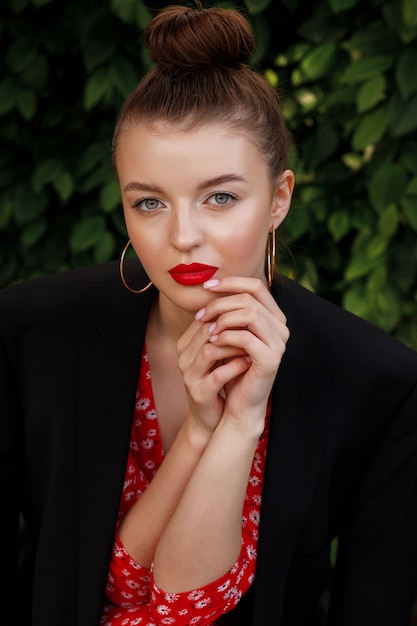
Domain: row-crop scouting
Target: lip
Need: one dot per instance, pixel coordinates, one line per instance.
(192, 274)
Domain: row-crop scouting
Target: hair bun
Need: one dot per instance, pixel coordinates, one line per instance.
(191, 38)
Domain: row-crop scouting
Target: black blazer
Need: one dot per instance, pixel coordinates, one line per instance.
(342, 457)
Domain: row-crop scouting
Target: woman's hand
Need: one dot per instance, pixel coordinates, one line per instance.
(230, 355)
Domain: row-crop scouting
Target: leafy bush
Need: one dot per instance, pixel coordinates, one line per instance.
(347, 74)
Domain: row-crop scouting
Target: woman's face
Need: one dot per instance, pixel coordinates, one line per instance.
(198, 204)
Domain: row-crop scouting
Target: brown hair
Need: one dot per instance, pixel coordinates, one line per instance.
(202, 76)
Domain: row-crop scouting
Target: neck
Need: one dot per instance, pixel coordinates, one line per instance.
(167, 322)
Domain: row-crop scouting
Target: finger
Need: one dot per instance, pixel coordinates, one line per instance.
(241, 285)
(265, 357)
(256, 319)
(258, 297)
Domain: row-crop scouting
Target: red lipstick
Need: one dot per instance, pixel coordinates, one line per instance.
(192, 274)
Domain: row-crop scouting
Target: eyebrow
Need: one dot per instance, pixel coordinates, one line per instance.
(136, 185)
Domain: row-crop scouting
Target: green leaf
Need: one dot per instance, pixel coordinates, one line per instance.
(104, 250)
(298, 221)
(412, 187)
(402, 115)
(386, 186)
(143, 15)
(341, 5)
(46, 172)
(388, 221)
(318, 62)
(409, 13)
(123, 74)
(6, 212)
(323, 145)
(339, 224)
(27, 206)
(40, 3)
(21, 54)
(409, 206)
(110, 196)
(371, 93)
(376, 247)
(360, 265)
(33, 233)
(370, 129)
(356, 300)
(36, 74)
(8, 95)
(26, 103)
(406, 72)
(64, 185)
(87, 233)
(97, 52)
(256, 6)
(96, 88)
(18, 5)
(366, 68)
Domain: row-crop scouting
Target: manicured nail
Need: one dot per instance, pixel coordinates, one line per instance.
(248, 359)
(200, 314)
(214, 338)
(211, 283)
(211, 328)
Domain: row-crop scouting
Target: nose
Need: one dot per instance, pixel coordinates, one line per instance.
(186, 230)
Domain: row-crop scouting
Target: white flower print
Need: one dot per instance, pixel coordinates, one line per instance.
(255, 517)
(196, 594)
(147, 444)
(171, 597)
(151, 415)
(254, 480)
(142, 404)
(152, 432)
(224, 586)
(163, 609)
(251, 552)
(201, 604)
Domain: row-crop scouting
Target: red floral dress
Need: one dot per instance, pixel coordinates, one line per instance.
(131, 594)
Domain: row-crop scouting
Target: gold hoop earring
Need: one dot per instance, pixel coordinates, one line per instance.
(122, 276)
(270, 256)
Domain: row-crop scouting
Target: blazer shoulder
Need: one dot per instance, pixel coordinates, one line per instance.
(339, 334)
(69, 299)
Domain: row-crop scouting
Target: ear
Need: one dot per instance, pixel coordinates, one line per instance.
(281, 200)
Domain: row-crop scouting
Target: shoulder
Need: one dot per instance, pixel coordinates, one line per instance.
(338, 335)
(71, 298)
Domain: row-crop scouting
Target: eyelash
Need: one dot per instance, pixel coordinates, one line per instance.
(231, 198)
(138, 203)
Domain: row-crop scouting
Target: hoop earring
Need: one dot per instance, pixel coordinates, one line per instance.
(122, 276)
(270, 256)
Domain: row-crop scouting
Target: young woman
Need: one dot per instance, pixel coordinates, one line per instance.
(184, 454)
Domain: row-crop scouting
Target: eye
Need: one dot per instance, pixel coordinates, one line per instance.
(221, 199)
(147, 205)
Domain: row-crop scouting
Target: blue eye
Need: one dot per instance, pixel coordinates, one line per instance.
(221, 199)
(148, 204)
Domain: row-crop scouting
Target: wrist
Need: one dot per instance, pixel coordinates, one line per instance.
(196, 434)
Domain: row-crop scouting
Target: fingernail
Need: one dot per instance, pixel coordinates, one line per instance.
(211, 328)
(248, 359)
(214, 338)
(211, 283)
(200, 314)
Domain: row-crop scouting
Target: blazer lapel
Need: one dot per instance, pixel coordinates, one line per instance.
(109, 365)
(301, 404)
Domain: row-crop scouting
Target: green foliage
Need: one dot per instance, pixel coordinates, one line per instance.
(346, 74)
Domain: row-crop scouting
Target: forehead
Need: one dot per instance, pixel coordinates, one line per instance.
(209, 146)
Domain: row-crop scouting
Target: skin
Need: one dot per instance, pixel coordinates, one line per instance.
(202, 195)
